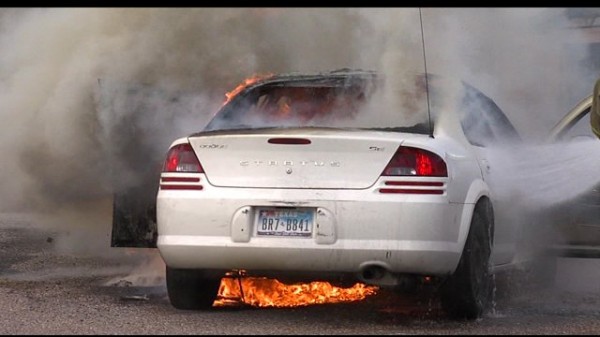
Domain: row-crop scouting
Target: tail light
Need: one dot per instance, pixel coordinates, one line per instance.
(410, 161)
(181, 158)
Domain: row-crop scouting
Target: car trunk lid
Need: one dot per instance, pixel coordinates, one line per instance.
(295, 158)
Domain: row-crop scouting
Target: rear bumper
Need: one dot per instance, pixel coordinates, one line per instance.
(354, 229)
(345, 256)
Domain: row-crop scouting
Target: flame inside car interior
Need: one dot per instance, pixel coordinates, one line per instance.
(316, 105)
(245, 83)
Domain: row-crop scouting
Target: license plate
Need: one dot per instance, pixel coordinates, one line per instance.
(284, 222)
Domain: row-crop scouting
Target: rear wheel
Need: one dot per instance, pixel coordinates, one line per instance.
(192, 289)
(467, 293)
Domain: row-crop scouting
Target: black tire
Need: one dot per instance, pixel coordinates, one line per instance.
(191, 289)
(467, 293)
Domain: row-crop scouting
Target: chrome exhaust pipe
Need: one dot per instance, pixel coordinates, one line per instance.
(373, 273)
(379, 274)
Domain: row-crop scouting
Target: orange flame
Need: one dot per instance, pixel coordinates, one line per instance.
(250, 80)
(264, 292)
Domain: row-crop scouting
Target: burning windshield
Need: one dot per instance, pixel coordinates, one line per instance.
(340, 102)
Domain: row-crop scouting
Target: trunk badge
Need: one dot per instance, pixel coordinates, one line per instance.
(288, 170)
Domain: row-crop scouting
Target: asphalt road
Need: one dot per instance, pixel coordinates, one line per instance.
(64, 281)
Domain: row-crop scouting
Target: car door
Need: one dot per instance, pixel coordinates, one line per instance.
(485, 126)
(577, 221)
(138, 123)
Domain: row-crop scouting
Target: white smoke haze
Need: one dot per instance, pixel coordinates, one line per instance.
(540, 176)
(90, 95)
(516, 56)
(52, 60)
(149, 272)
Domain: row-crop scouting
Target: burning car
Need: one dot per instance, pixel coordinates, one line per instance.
(344, 176)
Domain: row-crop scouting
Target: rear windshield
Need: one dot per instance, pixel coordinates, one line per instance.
(336, 102)
(400, 104)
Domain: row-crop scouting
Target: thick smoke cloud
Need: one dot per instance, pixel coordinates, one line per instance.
(90, 96)
(70, 121)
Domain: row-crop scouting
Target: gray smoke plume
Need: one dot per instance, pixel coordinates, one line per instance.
(88, 92)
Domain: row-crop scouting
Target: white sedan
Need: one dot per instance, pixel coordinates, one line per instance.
(339, 176)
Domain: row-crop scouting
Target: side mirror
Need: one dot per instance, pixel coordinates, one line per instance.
(595, 110)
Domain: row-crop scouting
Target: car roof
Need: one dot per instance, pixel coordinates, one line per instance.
(300, 77)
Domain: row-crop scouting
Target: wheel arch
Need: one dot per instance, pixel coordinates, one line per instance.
(467, 293)
(478, 195)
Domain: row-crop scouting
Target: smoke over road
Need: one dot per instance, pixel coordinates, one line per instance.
(88, 95)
